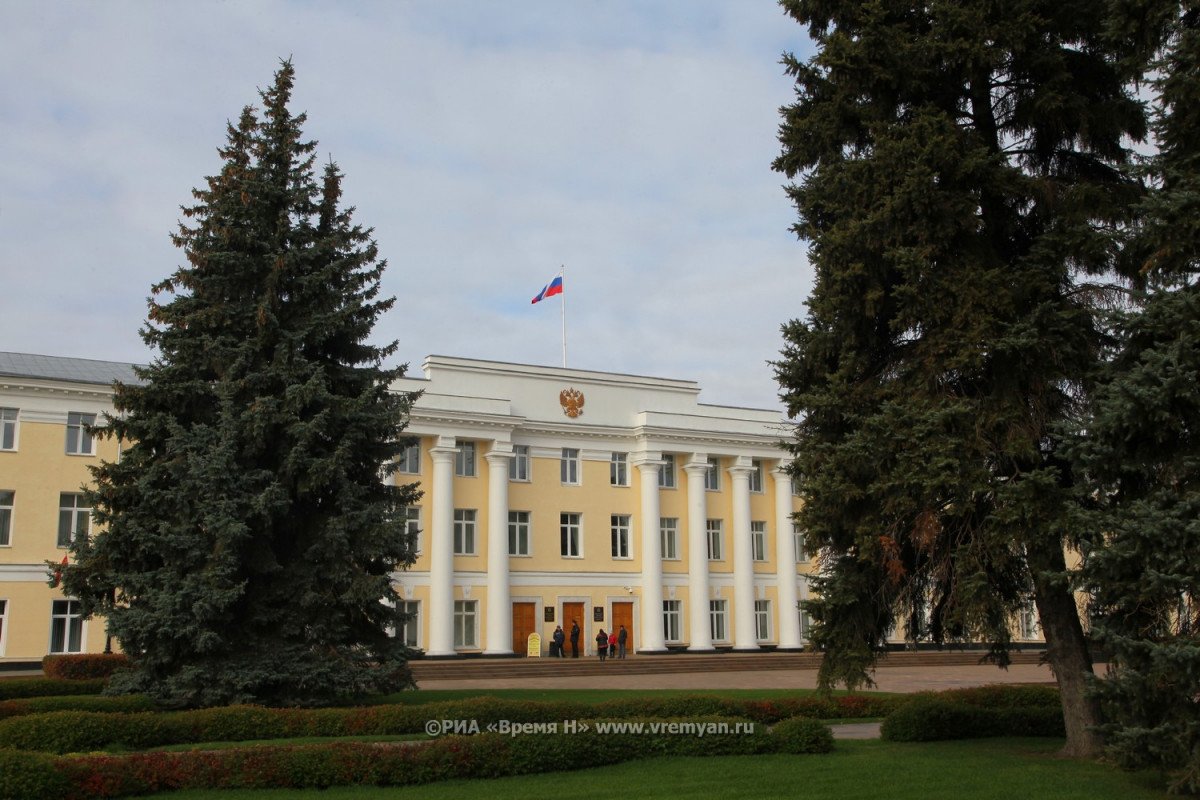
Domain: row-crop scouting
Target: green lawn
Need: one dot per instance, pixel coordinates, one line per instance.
(999, 769)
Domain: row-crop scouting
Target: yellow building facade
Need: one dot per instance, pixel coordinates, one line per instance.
(551, 496)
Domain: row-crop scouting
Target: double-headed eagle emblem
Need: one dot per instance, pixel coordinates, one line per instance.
(571, 401)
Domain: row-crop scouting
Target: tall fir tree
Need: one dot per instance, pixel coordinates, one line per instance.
(247, 535)
(958, 172)
(1140, 450)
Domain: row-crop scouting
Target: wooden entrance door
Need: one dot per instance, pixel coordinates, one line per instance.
(572, 613)
(524, 622)
(622, 614)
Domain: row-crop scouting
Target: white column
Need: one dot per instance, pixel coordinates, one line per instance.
(652, 639)
(698, 597)
(499, 603)
(441, 550)
(785, 563)
(743, 557)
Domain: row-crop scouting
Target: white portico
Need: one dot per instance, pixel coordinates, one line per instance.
(559, 497)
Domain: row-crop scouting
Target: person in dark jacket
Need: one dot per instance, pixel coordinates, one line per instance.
(574, 638)
(622, 638)
(559, 638)
(602, 644)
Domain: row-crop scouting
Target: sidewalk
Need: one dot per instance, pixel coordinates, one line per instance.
(887, 679)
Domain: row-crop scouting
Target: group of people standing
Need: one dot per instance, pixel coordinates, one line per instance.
(611, 644)
(607, 644)
(559, 639)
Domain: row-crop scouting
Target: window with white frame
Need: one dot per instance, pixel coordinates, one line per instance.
(716, 551)
(464, 460)
(798, 535)
(74, 518)
(8, 429)
(618, 469)
(756, 476)
(805, 624)
(758, 539)
(672, 622)
(412, 526)
(569, 466)
(79, 440)
(762, 620)
(1028, 621)
(570, 535)
(518, 465)
(66, 627)
(666, 473)
(408, 622)
(518, 533)
(464, 531)
(668, 531)
(6, 515)
(619, 526)
(718, 620)
(712, 477)
(465, 623)
(409, 461)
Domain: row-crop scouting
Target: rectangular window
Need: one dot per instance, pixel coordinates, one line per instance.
(718, 622)
(79, 441)
(756, 476)
(518, 465)
(758, 540)
(464, 460)
(762, 620)
(666, 473)
(66, 627)
(6, 515)
(465, 624)
(668, 530)
(715, 550)
(74, 518)
(672, 627)
(1030, 629)
(8, 429)
(620, 535)
(569, 467)
(712, 478)
(464, 531)
(518, 533)
(570, 535)
(412, 526)
(409, 461)
(408, 622)
(798, 535)
(3, 624)
(618, 469)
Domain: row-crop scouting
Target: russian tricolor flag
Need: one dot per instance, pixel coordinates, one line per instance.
(552, 288)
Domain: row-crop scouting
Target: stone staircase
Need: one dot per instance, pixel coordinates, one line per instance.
(489, 668)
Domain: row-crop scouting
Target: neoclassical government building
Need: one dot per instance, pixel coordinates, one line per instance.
(551, 496)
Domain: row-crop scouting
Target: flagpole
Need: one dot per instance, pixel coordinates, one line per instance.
(562, 271)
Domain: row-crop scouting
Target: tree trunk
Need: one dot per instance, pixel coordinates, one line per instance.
(1067, 652)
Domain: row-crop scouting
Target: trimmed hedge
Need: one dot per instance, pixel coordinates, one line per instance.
(41, 705)
(12, 688)
(933, 718)
(487, 755)
(802, 735)
(83, 666)
(74, 731)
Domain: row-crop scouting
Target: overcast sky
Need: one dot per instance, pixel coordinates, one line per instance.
(485, 142)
